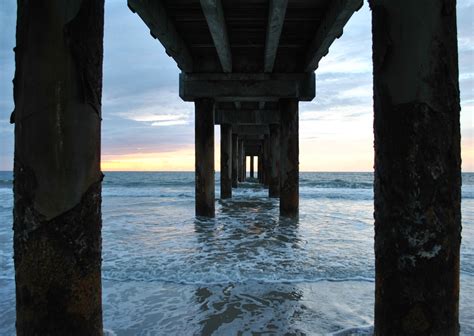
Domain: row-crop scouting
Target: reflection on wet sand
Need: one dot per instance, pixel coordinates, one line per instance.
(249, 306)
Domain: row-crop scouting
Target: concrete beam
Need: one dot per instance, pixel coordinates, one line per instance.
(214, 14)
(243, 117)
(276, 17)
(253, 142)
(251, 129)
(247, 87)
(339, 12)
(249, 136)
(252, 150)
(154, 14)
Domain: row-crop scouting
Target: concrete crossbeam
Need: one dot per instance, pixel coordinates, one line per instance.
(245, 117)
(214, 14)
(251, 129)
(249, 136)
(339, 12)
(276, 17)
(155, 16)
(247, 87)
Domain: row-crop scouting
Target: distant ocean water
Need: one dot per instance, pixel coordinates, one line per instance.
(167, 273)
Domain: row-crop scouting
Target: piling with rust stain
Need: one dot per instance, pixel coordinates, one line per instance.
(57, 177)
(417, 167)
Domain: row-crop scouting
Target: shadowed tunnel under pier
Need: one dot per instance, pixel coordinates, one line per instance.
(57, 193)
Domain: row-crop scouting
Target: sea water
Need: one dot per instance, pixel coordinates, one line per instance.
(246, 272)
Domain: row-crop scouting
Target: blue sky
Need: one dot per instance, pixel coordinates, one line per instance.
(147, 126)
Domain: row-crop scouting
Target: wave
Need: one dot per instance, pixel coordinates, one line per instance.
(336, 184)
(7, 183)
(362, 331)
(210, 281)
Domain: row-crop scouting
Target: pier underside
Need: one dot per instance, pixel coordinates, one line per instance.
(246, 65)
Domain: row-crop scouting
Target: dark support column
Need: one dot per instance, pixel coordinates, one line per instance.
(417, 167)
(244, 165)
(266, 158)
(57, 187)
(274, 161)
(226, 161)
(241, 160)
(235, 160)
(260, 175)
(289, 153)
(204, 155)
(262, 160)
(251, 167)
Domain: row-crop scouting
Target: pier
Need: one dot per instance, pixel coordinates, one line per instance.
(245, 65)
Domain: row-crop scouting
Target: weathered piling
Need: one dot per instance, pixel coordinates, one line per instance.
(260, 169)
(266, 146)
(274, 161)
(251, 167)
(235, 160)
(226, 161)
(417, 167)
(243, 167)
(57, 187)
(289, 156)
(204, 156)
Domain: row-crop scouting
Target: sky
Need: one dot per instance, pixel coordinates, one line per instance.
(146, 126)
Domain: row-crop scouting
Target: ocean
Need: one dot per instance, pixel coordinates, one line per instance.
(246, 272)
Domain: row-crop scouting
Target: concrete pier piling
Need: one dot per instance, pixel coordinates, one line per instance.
(57, 177)
(289, 158)
(235, 160)
(242, 161)
(417, 167)
(274, 161)
(251, 167)
(226, 161)
(204, 165)
(267, 150)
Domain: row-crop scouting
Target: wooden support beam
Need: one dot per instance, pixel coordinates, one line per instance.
(245, 117)
(214, 14)
(247, 87)
(276, 17)
(154, 14)
(337, 15)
